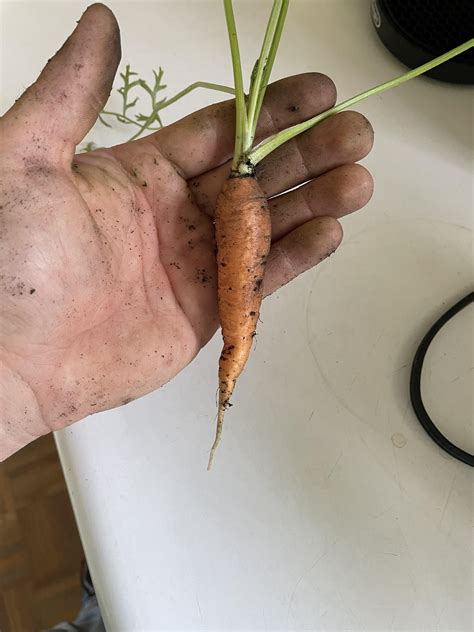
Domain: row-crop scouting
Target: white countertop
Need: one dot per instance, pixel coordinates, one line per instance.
(327, 508)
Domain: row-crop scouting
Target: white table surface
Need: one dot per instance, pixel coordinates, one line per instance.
(328, 508)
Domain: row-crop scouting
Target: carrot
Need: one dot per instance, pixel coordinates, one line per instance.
(243, 236)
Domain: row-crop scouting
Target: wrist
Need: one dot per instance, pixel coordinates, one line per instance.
(21, 419)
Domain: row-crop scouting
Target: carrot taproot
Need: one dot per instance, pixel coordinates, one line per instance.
(243, 236)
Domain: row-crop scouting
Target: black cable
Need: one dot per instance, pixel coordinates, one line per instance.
(415, 385)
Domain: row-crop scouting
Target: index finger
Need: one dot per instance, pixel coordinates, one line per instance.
(205, 139)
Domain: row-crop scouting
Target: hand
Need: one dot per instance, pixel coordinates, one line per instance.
(108, 279)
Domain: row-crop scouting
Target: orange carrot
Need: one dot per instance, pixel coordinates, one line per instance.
(243, 236)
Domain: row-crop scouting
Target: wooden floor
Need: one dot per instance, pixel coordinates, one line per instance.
(40, 550)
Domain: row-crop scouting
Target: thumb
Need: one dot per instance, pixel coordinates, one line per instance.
(56, 112)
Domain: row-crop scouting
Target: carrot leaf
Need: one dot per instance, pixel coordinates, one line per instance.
(273, 142)
(146, 121)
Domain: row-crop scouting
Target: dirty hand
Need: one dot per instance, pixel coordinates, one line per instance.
(108, 279)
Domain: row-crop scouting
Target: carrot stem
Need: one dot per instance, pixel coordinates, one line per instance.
(266, 147)
(241, 109)
(271, 58)
(263, 68)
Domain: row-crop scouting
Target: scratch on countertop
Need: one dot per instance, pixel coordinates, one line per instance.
(377, 405)
(378, 339)
(404, 366)
(331, 471)
(439, 617)
(409, 557)
(392, 622)
(327, 383)
(305, 574)
(448, 498)
(351, 385)
(384, 511)
(199, 608)
(375, 456)
(397, 474)
(346, 607)
(407, 409)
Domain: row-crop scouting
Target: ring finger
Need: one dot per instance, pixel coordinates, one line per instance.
(336, 193)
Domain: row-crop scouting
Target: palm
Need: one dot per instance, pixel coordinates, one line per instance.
(109, 256)
(147, 301)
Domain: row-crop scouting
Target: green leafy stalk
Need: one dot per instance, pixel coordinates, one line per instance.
(270, 144)
(146, 122)
(240, 106)
(121, 119)
(253, 77)
(263, 68)
(157, 107)
(269, 65)
(198, 84)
